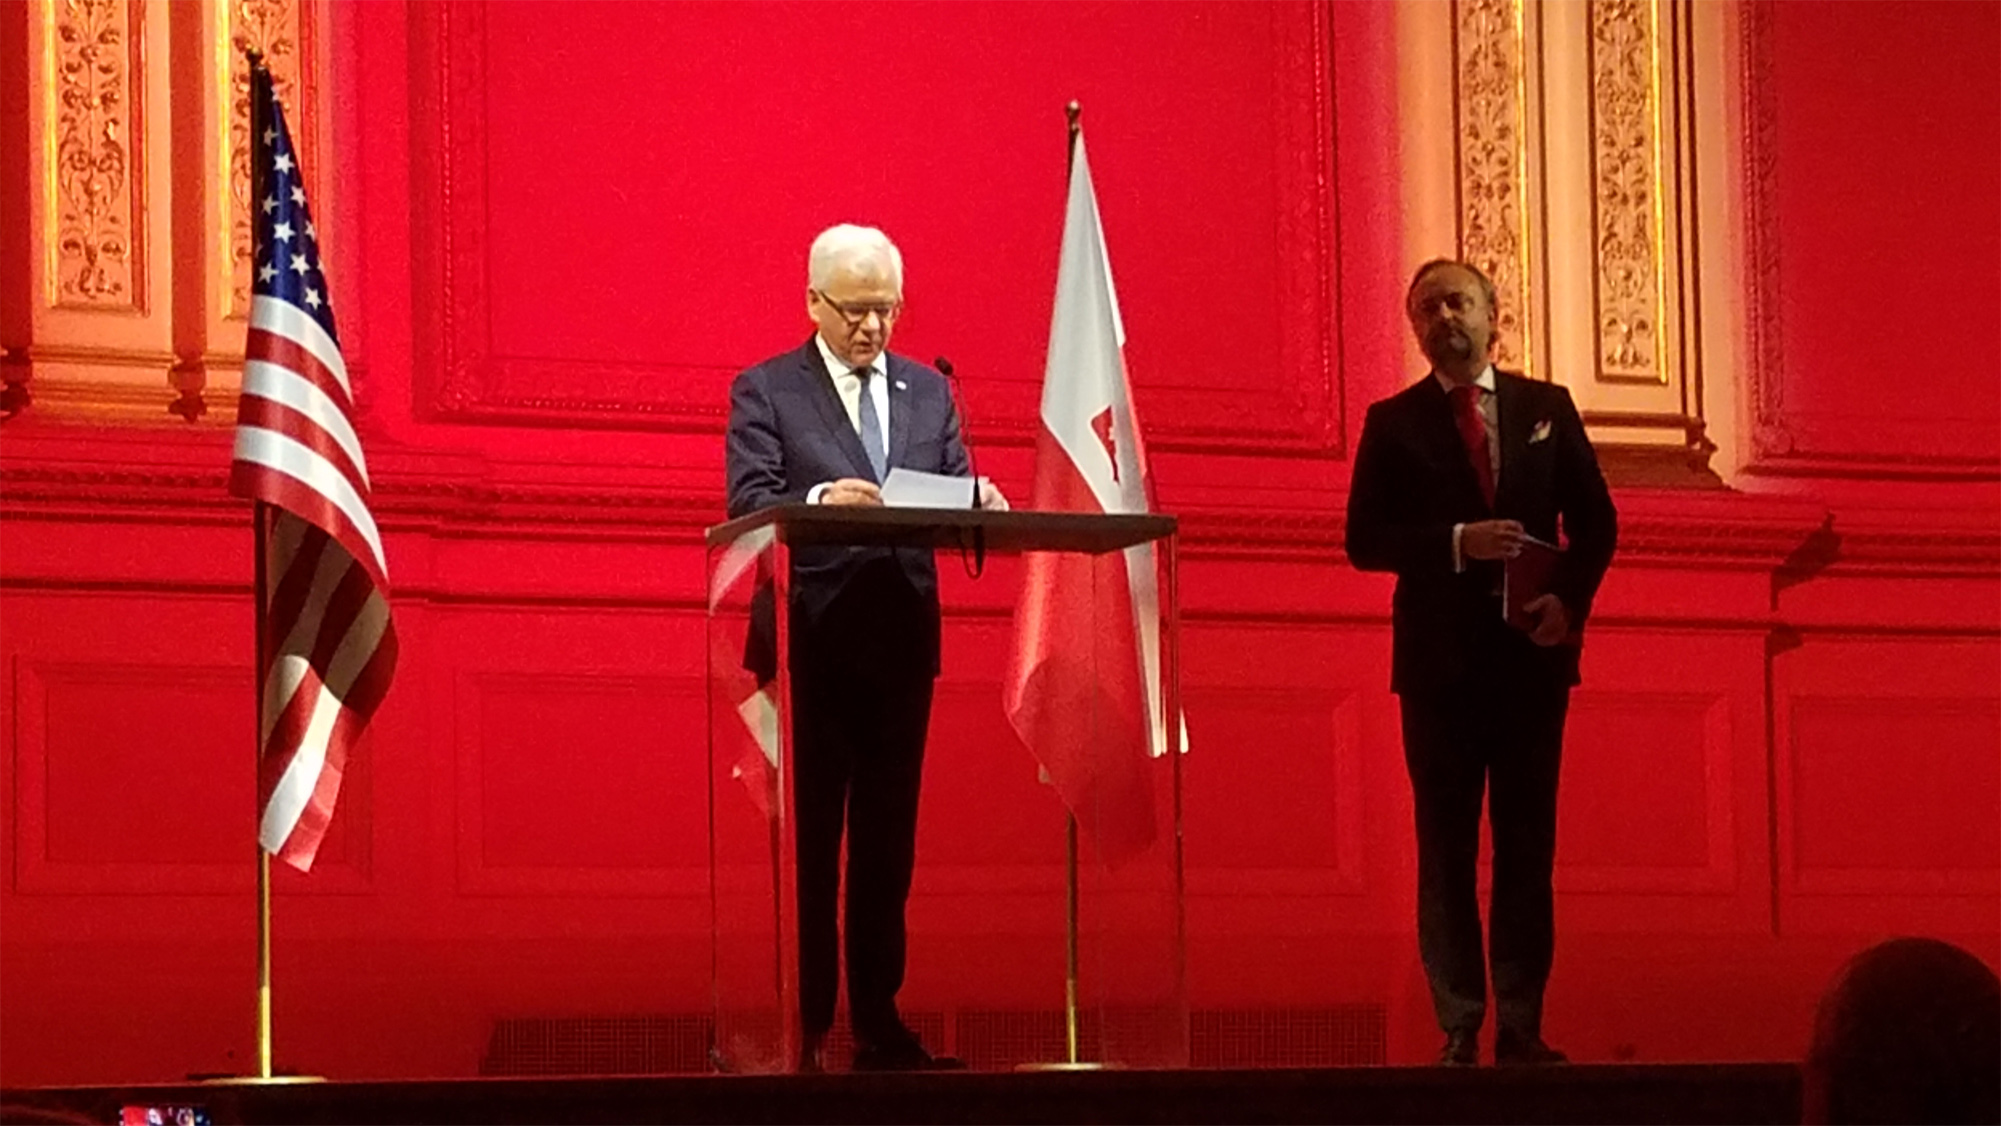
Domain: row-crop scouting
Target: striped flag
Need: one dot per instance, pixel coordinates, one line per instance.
(327, 644)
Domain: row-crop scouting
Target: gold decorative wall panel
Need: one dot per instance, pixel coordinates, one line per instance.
(270, 27)
(87, 325)
(124, 292)
(1572, 132)
(1493, 161)
(94, 182)
(1626, 207)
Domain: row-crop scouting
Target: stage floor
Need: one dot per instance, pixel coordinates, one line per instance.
(1733, 1093)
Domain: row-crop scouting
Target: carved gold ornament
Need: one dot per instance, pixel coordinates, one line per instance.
(1625, 160)
(270, 27)
(94, 181)
(1493, 201)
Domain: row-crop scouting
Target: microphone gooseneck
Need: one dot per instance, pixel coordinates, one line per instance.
(977, 564)
(944, 367)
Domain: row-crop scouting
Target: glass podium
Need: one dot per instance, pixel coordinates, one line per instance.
(1122, 987)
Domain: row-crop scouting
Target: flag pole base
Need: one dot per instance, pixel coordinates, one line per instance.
(1078, 1065)
(262, 1080)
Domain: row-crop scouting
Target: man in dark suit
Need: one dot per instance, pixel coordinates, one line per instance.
(1452, 475)
(823, 424)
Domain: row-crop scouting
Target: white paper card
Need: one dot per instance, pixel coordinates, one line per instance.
(910, 488)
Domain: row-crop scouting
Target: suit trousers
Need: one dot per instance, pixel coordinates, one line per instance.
(1498, 735)
(861, 696)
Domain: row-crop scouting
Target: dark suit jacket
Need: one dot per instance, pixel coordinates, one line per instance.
(1413, 482)
(788, 432)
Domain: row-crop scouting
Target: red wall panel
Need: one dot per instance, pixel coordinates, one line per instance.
(1211, 151)
(106, 792)
(576, 774)
(1888, 761)
(1879, 128)
(1671, 753)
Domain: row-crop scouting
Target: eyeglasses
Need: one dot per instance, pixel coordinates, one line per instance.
(854, 314)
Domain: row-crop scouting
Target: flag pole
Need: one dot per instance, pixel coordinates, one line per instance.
(1075, 114)
(1070, 937)
(260, 537)
(311, 762)
(1072, 1058)
(261, 521)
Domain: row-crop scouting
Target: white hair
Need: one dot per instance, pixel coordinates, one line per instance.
(862, 250)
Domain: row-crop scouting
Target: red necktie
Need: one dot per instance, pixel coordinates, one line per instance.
(1473, 432)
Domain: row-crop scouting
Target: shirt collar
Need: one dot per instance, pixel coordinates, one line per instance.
(838, 367)
(1484, 382)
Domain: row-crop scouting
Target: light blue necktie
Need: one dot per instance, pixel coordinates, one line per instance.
(878, 459)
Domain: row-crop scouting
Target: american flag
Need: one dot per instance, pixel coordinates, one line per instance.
(327, 646)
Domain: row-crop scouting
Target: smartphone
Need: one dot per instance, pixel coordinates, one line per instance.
(164, 1116)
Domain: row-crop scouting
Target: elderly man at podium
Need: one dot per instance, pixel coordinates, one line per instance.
(824, 424)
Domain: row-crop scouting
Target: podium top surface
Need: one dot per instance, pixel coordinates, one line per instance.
(999, 532)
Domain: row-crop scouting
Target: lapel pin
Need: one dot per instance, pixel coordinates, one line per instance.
(902, 386)
(1540, 432)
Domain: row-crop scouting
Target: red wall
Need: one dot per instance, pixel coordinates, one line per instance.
(1878, 120)
(558, 229)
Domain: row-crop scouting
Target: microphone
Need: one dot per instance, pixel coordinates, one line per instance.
(944, 367)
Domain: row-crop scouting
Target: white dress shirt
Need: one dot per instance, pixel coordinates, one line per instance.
(848, 386)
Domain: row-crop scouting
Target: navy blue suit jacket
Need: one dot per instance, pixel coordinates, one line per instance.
(789, 432)
(1413, 482)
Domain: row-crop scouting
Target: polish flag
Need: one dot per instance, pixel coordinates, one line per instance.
(1083, 683)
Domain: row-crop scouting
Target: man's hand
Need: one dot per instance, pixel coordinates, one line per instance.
(852, 490)
(1552, 619)
(1492, 539)
(991, 498)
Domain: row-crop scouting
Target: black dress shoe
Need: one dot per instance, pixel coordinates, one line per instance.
(902, 1053)
(1516, 1051)
(1462, 1049)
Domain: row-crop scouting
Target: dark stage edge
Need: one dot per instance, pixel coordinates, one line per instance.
(1733, 1093)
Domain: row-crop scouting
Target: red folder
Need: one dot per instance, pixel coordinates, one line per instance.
(1526, 578)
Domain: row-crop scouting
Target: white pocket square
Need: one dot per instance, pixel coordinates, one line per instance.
(1540, 433)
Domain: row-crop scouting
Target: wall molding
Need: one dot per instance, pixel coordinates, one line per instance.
(1800, 878)
(72, 474)
(1719, 872)
(476, 878)
(473, 382)
(1786, 442)
(38, 873)
(1665, 527)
